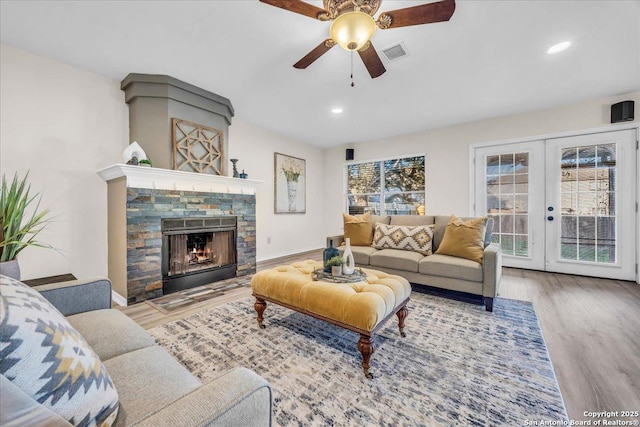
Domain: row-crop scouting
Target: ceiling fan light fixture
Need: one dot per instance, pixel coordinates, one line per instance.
(352, 30)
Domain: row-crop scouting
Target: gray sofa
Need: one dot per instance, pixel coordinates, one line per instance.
(153, 388)
(439, 271)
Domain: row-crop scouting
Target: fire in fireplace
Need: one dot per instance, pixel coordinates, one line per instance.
(197, 251)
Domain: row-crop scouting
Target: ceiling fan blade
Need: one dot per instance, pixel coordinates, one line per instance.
(297, 6)
(316, 53)
(372, 61)
(416, 15)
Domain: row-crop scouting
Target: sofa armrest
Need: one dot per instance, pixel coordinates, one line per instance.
(78, 296)
(337, 240)
(240, 398)
(492, 270)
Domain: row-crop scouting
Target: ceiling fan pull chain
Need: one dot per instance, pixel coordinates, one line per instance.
(352, 84)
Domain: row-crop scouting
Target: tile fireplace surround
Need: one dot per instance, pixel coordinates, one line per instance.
(140, 197)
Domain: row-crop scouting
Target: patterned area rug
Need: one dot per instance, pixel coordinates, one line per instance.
(458, 365)
(184, 299)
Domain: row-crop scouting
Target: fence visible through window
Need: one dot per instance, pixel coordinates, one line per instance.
(387, 187)
(588, 203)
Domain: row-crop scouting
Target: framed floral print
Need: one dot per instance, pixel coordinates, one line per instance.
(290, 184)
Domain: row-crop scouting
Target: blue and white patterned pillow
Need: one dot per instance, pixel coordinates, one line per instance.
(417, 238)
(44, 356)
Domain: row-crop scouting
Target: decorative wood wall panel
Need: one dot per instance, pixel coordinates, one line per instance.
(197, 148)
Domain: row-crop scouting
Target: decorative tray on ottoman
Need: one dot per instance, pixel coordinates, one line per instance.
(357, 276)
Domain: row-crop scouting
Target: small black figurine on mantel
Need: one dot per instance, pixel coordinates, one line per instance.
(244, 175)
(235, 169)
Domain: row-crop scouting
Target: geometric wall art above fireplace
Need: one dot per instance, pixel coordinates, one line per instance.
(197, 148)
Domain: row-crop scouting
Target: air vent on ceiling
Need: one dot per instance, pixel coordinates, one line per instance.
(394, 52)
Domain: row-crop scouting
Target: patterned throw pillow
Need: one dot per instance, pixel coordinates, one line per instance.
(44, 356)
(409, 238)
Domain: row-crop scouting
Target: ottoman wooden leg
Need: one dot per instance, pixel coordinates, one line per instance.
(402, 314)
(260, 305)
(367, 346)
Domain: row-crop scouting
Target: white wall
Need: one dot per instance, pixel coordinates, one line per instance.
(447, 152)
(289, 233)
(62, 124)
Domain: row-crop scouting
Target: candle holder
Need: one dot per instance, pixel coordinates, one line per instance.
(235, 169)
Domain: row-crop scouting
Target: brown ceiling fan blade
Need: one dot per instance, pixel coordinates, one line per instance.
(416, 15)
(372, 61)
(316, 53)
(296, 6)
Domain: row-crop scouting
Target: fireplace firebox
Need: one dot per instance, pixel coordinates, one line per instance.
(197, 251)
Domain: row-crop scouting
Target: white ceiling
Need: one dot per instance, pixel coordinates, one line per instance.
(489, 60)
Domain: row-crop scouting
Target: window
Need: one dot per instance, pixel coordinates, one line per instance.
(387, 187)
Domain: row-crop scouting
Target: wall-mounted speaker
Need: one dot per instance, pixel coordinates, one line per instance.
(350, 154)
(622, 112)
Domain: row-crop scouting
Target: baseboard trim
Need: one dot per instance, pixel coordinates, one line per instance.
(282, 255)
(118, 299)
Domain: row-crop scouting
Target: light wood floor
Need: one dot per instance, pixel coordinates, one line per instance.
(591, 327)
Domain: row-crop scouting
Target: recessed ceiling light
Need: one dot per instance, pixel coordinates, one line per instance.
(336, 110)
(558, 47)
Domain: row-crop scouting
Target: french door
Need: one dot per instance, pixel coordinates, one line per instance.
(565, 205)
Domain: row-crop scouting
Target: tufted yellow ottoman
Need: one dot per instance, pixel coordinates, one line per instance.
(362, 307)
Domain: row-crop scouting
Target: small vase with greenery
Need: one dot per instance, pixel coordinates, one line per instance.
(19, 227)
(145, 163)
(336, 264)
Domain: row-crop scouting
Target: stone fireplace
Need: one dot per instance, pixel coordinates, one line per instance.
(149, 205)
(170, 230)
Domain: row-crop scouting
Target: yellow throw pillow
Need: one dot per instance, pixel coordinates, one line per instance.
(358, 228)
(365, 217)
(359, 233)
(464, 239)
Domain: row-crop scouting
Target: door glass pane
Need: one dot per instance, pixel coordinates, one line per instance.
(588, 203)
(507, 197)
(606, 244)
(506, 244)
(569, 237)
(521, 246)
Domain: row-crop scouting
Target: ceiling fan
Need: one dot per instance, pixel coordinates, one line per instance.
(353, 25)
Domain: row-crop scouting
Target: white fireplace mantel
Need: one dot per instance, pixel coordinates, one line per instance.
(166, 179)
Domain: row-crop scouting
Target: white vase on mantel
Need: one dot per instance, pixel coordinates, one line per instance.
(349, 263)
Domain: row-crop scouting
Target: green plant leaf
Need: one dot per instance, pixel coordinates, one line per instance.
(19, 229)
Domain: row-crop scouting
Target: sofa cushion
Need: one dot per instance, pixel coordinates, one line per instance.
(396, 259)
(412, 220)
(148, 380)
(122, 334)
(450, 266)
(382, 219)
(48, 359)
(464, 239)
(361, 254)
(409, 238)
